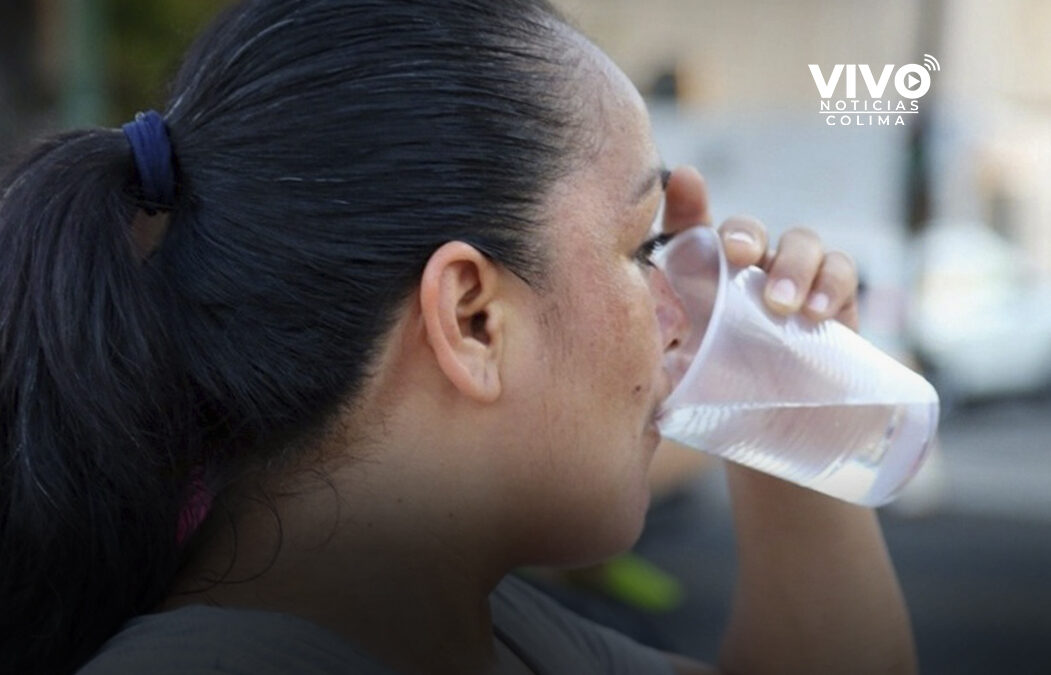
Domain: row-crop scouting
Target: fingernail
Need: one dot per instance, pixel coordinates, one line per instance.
(742, 237)
(783, 293)
(818, 303)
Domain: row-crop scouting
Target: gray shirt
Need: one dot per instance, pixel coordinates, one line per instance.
(209, 640)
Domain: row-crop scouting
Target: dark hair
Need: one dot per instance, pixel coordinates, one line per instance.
(324, 149)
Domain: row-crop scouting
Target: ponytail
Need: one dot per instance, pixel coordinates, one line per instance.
(89, 488)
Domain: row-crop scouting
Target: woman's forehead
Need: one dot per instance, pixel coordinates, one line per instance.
(622, 166)
(626, 130)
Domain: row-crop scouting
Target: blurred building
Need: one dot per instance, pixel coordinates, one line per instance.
(987, 137)
(746, 55)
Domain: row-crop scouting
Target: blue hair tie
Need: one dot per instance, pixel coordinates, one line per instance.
(152, 150)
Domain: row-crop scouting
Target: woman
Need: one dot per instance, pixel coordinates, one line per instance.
(294, 376)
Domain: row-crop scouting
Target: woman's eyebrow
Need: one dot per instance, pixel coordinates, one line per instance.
(660, 174)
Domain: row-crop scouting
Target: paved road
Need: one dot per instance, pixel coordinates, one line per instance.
(979, 590)
(977, 574)
(997, 460)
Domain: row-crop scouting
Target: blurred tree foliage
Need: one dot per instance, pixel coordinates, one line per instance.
(145, 43)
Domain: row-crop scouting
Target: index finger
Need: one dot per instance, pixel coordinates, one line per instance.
(685, 200)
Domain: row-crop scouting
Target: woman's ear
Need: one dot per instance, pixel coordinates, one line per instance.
(463, 318)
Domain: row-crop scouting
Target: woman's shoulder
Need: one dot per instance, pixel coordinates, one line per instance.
(204, 639)
(233, 641)
(553, 639)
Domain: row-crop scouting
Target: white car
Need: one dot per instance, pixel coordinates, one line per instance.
(981, 314)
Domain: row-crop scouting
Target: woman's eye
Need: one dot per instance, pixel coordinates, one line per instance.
(644, 254)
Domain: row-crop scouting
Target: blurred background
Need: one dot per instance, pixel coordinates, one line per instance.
(948, 215)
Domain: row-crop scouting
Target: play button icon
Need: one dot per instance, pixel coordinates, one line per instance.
(912, 81)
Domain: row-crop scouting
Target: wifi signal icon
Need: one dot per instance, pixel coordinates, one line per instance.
(931, 63)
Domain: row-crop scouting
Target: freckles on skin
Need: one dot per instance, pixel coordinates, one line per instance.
(609, 319)
(632, 337)
(615, 328)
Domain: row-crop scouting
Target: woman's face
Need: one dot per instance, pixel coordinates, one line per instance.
(588, 403)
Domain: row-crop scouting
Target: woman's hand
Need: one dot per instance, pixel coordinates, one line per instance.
(802, 276)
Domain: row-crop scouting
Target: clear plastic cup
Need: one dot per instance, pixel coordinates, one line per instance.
(812, 403)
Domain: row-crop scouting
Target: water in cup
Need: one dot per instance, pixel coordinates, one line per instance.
(861, 453)
(811, 403)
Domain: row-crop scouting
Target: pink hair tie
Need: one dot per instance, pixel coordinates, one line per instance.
(194, 511)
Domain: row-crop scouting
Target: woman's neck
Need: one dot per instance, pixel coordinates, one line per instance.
(386, 571)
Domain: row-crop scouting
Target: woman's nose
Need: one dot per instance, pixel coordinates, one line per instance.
(671, 314)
